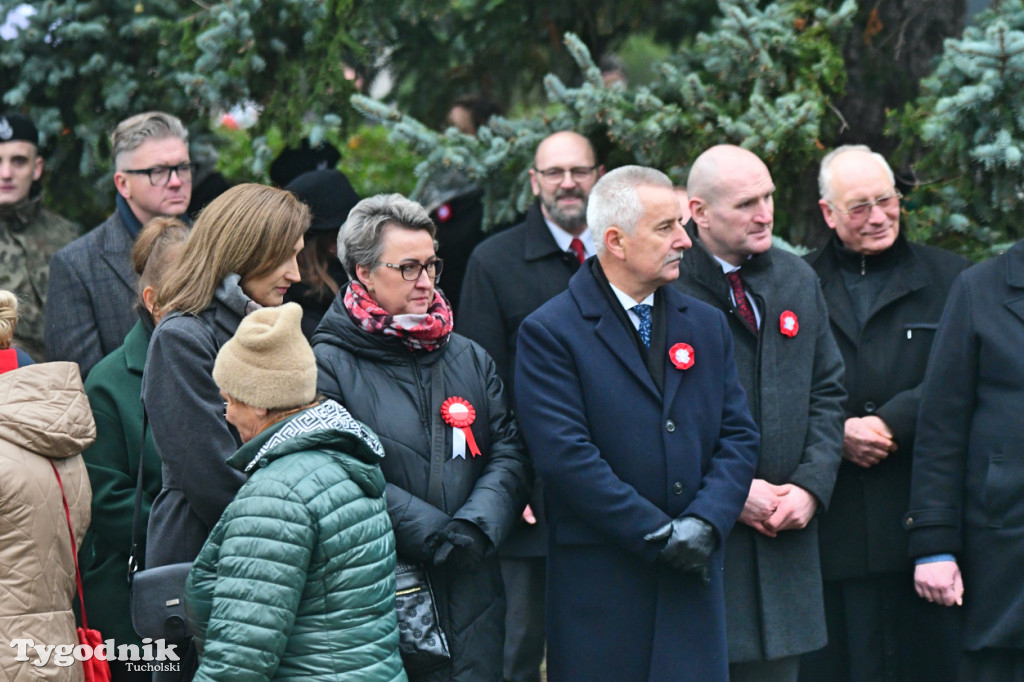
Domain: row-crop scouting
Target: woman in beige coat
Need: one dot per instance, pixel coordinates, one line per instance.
(44, 418)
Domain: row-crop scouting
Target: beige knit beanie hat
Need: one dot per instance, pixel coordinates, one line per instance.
(268, 362)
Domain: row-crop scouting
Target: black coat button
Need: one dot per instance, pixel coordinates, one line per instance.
(869, 407)
(670, 426)
(677, 488)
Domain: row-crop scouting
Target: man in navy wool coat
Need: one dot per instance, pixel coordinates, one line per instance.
(630, 402)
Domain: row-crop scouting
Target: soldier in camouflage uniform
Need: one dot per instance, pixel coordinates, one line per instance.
(29, 233)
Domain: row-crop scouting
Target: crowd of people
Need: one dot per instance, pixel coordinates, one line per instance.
(650, 445)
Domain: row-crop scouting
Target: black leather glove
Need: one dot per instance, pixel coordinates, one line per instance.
(689, 542)
(464, 546)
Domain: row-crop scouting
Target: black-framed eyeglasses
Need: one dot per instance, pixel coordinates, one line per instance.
(159, 176)
(863, 210)
(578, 174)
(412, 271)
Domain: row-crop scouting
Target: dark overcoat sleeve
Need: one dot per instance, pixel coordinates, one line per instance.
(823, 443)
(480, 316)
(940, 452)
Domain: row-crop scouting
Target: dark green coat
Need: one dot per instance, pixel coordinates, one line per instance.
(296, 581)
(113, 387)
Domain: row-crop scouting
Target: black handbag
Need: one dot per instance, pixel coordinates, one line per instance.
(421, 639)
(157, 602)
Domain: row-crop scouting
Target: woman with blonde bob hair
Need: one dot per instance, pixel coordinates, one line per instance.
(241, 256)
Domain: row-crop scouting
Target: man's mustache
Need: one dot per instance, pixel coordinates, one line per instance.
(574, 193)
(674, 257)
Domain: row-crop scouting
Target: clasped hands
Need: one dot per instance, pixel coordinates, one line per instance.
(772, 508)
(689, 543)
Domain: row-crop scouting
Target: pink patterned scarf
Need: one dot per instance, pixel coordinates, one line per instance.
(428, 331)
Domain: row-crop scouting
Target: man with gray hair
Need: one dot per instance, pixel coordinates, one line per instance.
(510, 275)
(885, 296)
(92, 285)
(630, 403)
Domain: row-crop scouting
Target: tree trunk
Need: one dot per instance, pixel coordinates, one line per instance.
(893, 45)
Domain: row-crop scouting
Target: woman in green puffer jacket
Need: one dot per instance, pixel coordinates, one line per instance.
(296, 580)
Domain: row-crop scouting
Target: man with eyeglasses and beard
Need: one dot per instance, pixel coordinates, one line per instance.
(885, 296)
(509, 276)
(92, 283)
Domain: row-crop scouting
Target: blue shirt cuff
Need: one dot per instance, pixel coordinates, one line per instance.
(933, 558)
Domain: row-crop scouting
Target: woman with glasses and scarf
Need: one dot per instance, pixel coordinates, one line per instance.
(457, 472)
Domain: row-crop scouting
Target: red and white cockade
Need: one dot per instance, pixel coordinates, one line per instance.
(788, 324)
(681, 355)
(459, 414)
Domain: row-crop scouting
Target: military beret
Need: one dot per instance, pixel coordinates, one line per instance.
(15, 127)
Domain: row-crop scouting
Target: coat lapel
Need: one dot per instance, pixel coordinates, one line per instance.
(840, 307)
(905, 279)
(678, 330)
(117, 249)
(595, 307)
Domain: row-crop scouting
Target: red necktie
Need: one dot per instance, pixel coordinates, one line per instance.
(577, 247)
(742, 304)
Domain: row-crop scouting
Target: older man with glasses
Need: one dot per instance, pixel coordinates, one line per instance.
(92, 283)
(885, 296)
(508, 277)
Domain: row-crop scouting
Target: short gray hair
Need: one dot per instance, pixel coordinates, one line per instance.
(359, 240)
(150, 125)
(614, 200)
(825, 174)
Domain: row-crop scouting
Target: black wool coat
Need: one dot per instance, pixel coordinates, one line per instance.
(885, 364)
(388, 387)
(966, 496)
(508, 277)
(773, 591)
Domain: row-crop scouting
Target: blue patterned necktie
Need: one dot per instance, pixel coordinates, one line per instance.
(643, 311)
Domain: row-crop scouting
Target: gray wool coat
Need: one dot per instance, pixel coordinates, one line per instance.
(186, 415)
(91, 295)
(773, 586)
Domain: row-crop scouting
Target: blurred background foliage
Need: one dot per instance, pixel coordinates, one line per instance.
(788, 79)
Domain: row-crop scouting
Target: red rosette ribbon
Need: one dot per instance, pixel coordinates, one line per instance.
(788, 324)
(681, 355)
(459, 414)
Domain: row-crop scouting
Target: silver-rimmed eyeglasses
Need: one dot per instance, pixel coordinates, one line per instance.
(863, 210)
(412, 271)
